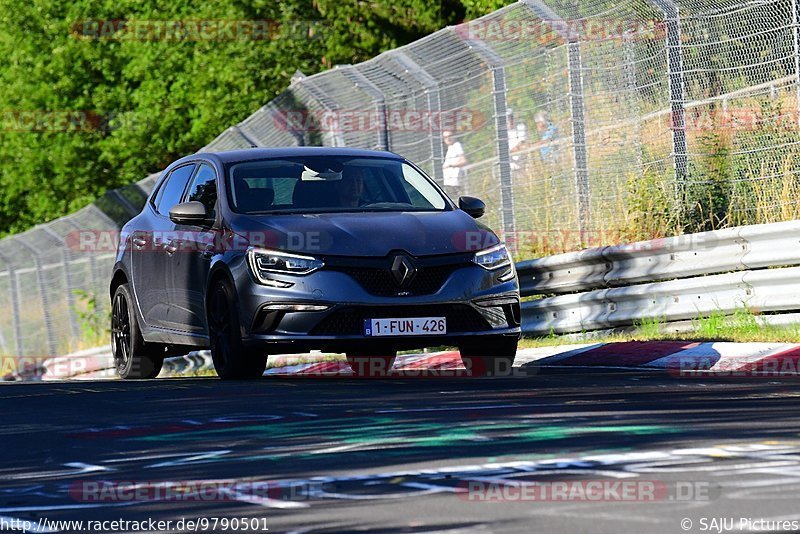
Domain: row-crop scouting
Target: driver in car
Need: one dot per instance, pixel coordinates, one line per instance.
(350, 188)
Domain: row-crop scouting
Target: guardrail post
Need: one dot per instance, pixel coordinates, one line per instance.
(577, 111)
(497, 64)
(434, 106)
(362, 82)
(677, 94)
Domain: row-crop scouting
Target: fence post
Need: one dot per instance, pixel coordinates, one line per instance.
(630, 80)
(327, 103)
(362, 82)
(434, 106)
(497, 64)
(125, 203)
(275, 111)
(796, 35)
(93, 269)
(15, 309)
(577, 111)
(579, 139)
(677, 94)
(45, 298)
(68, 285)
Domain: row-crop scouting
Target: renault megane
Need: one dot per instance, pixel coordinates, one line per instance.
(267, 251)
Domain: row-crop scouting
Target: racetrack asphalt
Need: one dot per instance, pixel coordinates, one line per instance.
(440, 454)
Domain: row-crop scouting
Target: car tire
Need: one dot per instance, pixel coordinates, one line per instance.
(133, 357)
(232, 360)
(493, 356)
(370, 364)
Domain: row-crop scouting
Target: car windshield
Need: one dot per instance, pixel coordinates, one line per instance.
(328, 184)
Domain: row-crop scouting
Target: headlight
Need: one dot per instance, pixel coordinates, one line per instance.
(264, 261)
(493, 258)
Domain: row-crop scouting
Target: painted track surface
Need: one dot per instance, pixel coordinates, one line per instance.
(393, 455)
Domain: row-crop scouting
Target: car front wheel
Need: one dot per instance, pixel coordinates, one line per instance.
(133, 357)
(232, 360)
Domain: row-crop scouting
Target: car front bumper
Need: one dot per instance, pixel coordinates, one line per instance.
(472, 299)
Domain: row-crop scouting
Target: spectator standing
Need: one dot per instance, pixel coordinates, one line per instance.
(453, 166)
(547, 134)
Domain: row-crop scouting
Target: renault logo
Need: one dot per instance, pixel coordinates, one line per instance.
(403, 270)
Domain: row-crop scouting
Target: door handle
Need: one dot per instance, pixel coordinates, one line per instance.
(138, 242)
(170, 248)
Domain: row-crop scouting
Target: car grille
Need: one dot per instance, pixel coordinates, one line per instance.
(350, 320)
(377, 279)
(381, 282)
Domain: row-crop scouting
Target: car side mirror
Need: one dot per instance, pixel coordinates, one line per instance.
(474, 207)
(191, 213)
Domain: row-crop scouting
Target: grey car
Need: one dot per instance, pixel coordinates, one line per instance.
(259, 252)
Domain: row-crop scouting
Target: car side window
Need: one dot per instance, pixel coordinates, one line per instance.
(204, 187)
(171, 192)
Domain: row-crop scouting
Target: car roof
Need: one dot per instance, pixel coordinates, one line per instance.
(249, 154)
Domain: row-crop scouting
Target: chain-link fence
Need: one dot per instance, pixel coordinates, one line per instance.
(580, 123)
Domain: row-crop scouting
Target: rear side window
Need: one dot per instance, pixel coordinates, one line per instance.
(204, 187)
(171, 192)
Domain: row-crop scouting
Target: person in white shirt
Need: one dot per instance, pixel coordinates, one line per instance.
(453, 166)
(517, 137)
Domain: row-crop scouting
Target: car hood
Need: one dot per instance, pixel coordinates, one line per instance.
(367, 234)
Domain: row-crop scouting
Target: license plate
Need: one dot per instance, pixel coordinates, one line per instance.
(416, 326)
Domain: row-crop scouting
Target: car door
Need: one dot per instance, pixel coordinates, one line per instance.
(189, 266)
(151, 252)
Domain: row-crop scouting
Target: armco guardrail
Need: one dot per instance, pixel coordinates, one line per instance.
(669, 279)
(731, 249)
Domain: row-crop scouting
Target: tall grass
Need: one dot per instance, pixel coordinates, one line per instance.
(737, 174)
